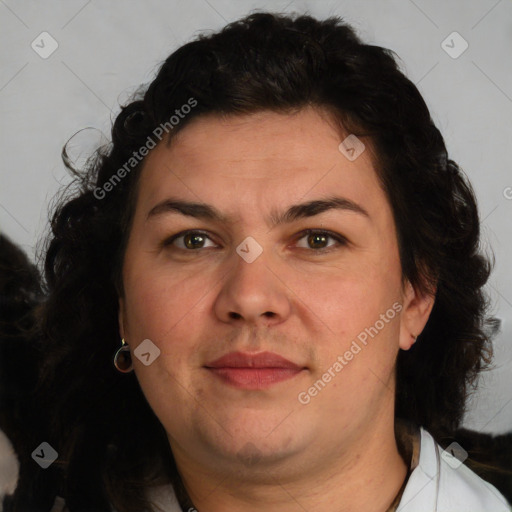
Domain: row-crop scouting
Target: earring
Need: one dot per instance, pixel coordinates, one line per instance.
(414, 338)
(123, 358)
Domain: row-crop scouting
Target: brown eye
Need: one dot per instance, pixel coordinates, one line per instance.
(193, 241)
(189, 240)
(319, 240)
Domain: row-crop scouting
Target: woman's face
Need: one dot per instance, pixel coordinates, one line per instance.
(267, 342)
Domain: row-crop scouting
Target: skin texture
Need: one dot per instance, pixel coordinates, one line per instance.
(240, 449)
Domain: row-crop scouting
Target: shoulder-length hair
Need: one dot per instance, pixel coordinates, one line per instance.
(111, 446)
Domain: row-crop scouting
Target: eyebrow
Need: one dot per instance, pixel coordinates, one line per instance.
(295, 212)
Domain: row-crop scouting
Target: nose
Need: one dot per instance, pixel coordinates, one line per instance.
(253, 293)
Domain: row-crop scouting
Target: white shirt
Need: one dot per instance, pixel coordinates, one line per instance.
(437, 484)
(440, 484)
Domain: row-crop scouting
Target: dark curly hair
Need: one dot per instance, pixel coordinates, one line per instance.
(94, 415)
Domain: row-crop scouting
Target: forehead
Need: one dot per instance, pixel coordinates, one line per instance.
(263, 159)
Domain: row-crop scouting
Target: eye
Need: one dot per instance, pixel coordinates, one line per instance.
(189, 240)
(318, 239)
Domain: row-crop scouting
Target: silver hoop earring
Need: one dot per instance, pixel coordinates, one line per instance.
(123, 358)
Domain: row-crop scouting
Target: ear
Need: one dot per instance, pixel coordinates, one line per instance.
(121, 317)
(416, 311)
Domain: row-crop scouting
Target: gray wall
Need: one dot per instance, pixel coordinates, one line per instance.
(106, 49)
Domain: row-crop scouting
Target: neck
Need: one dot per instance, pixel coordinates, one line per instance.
(367, 476)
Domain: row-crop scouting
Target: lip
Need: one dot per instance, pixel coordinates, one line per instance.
(253, 371)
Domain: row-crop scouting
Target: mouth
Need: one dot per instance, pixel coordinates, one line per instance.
(253, 371)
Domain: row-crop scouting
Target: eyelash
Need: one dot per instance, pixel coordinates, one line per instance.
(341, 241)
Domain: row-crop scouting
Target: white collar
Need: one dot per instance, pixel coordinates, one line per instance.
(440, 484)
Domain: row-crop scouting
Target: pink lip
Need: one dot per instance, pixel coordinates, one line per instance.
(253, 371)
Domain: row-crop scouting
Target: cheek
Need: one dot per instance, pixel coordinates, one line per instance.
(353, 299)
(145, 310)
(159, 299)
(170, 309)
(359, 311)
(161, 309)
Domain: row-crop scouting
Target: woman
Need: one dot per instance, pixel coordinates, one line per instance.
(204, 348)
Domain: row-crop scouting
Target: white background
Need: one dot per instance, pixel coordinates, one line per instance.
(107, 49)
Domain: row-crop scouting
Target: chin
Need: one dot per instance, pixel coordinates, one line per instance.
(262, 454)
(255, 443)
